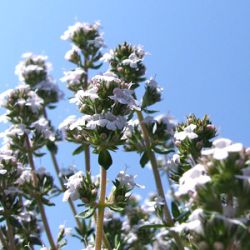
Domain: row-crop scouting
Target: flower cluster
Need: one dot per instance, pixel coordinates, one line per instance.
(34, 71)
(126, 61)
(208, 202)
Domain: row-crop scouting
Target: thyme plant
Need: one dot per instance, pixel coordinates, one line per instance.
(201, 182)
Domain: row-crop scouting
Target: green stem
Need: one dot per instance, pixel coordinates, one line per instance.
(151, 155)
(101, 207)
(71, 203)
(57, 169)
(39, 203)
(2, 239)
(10, 234)
(87, 158)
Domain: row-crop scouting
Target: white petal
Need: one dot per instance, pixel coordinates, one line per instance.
(209, 151)
(236, 147)
(220, 154)
(222, 143)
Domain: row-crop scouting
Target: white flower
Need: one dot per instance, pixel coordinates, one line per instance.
(72, 185)
(172, 163)
(221, 149)
(78, 27)
(42, 126)
(26, 176)
(152, 83)
(188, 132)
(71, 52)
(23, 68)
(107, 56)
(82, 94)
(132, 61)
(73, 77)
(193, 223)
(107, 77)
(67, 230)
(4, 97)
(67, 122)
(127, 180)
(80, 122)
(15, 130)
(34, 102)
(108, 120)
(124, 96)
(191, 179)
(151, 204)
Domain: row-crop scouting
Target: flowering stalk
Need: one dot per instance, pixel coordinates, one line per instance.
(2, 239)
(101, 207)
(160, 190)
(40, 205)
(10, 234)
(57, 169)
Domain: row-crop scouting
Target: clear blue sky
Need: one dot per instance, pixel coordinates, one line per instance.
(200, 52)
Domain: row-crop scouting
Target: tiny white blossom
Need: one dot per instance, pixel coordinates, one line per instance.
(191, 179)
(78, 27)
(150, 205)
(107, 77)
(188, 132)
(132, 61)
(73, 77)
(221, 149)
(71, 52)
(108, 120)
(153, 84)
(67, 230)
(26, 176)
(128, 180)
(42, 126)
(72, 185)
(82, 94)
(193, 223)
(107, 56)
(125, 96)
(67, 122)
(34, 102)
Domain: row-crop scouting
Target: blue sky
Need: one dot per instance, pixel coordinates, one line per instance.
(199, 52)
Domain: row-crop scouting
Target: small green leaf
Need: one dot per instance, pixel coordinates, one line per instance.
(86, 214)
(162, 150)
(152, 226)
(105, 159)
(116, 209)
(52, 147)
(175, 210)
(144, 159)
(39, 154)
(78, 150)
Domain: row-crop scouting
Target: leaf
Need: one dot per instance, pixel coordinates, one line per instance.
(144, 159)
(147, 111)
(78, 150)
(86, 214)
(162, 150)
(39, 154)
(52, 147)
(175, 210)
(105, 159)
(51, 106)
(116, 209)
(153, 226)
